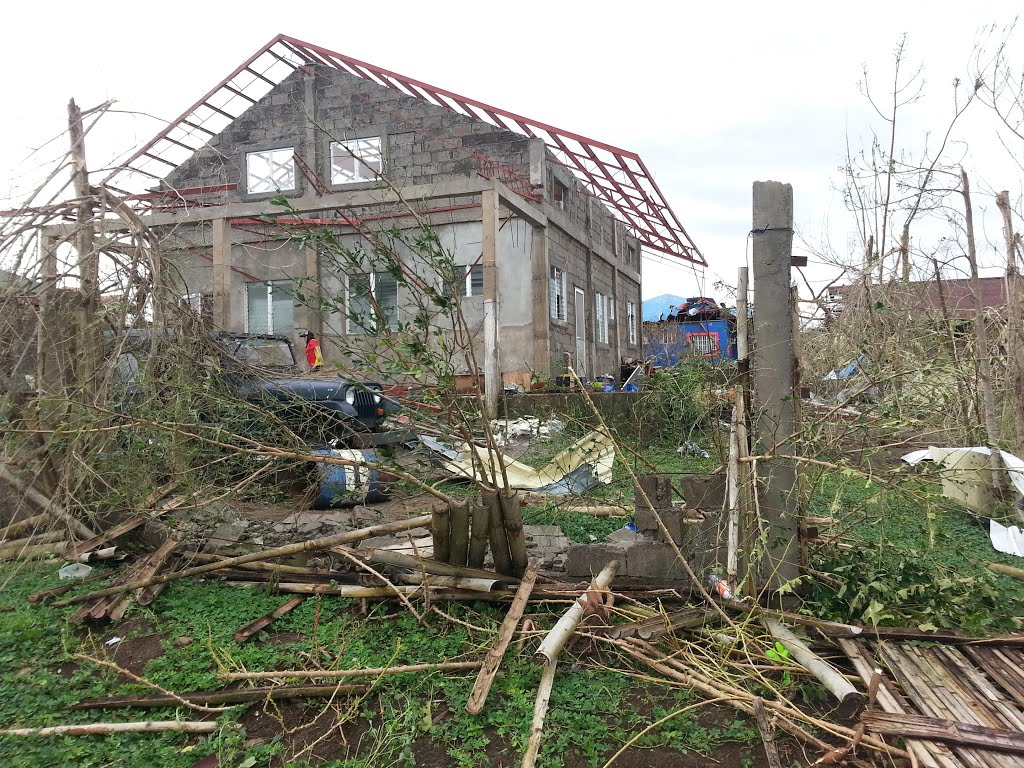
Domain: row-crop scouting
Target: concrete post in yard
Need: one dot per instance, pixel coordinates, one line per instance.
(772, 370)
(492, 366)
(221, 273)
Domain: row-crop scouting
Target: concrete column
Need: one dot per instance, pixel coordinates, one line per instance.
(311, 289)
(772, 370)
(620, 312)
(538, 166)
(541, 311)
(221, 273)
(492, 365)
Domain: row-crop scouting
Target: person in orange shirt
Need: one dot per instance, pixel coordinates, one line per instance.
(314, 357)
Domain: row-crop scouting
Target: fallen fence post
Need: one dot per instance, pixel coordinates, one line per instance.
(249, 630)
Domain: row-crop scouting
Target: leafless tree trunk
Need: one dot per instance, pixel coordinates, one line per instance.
(981, 339)
(1014, 318)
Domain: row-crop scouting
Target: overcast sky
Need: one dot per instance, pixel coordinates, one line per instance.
(712, 96)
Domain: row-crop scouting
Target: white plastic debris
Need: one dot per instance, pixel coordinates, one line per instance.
(1009, 541)
(692, 449)
(114, 641)
(74, 571)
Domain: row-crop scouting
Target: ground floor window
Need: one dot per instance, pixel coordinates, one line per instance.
(372, 302)
(270, 307)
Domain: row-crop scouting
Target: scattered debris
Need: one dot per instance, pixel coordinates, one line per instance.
(246, 632)
(74, 571)
(692, 449)
(211, 698)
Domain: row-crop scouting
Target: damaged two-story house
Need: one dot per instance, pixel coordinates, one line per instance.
(547, 225)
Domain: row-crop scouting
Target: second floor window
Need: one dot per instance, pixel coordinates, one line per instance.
(631, 320)
(356, 160)
(601, 318)
(270, 170)
(557, 294)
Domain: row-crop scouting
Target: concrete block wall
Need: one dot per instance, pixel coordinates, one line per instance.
(422, 144)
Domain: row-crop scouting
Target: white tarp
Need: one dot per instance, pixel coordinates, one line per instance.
(966, 478)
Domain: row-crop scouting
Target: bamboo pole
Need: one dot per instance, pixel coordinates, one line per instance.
(291, 549)
(512, 514)
(204, 557)
(850, 699)
(480, 516)
(764, 725)
(99, 729)
(1007, 570)
(297, 674)
(240, 696)
(36, 538)
(459, 548)
(540, 711)
(482, 687)
(498, 535)
(452, 582)
(439, 530)
(29, 523)
(556, 639)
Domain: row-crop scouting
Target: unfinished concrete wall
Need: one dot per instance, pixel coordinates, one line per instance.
(423, 144)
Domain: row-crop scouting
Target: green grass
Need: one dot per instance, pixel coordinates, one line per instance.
(919, 559)
(36, 644)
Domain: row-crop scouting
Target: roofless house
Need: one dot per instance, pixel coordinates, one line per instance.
(547, 224)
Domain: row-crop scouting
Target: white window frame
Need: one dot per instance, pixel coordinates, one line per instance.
(269, 285)
(601, 318)
(368, 154)
(556, 295)
(350, 328)
(632, 257)
(278, 178)
(631, 320)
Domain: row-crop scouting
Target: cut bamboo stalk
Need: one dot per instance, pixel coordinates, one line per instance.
(497, 535)
(608, 510)
(733, 536)
(440, 533)
(33, 551)
(98, 729)
(482, 687)
(556, 639)
(249, 630)
(47, 537)
(57, 591)
(327, 674)
(428, 565)
(107, 553)
(512, 514)
(291, 549)
(148, 594)
(28, 524)
(459, 547)
(480, 517)
(850, 699)
(240, 696)
(204, 557)
(452, 582)
(540, 711)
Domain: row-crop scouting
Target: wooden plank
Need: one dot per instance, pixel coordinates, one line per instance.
(515, 612)
(943, 729)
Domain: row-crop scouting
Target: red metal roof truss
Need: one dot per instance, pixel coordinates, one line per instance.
(617, 177)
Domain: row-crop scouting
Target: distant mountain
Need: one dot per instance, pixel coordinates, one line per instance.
(654, 308)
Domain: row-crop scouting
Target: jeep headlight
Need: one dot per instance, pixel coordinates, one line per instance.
(350, 396)
(376, 399)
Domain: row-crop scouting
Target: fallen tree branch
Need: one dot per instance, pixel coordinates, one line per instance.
(46, 505)
(166, 694)
(29, 523)
(556, 639)
(240, 696)
(296, 674)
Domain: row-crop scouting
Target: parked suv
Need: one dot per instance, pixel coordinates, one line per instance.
(263, 368)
